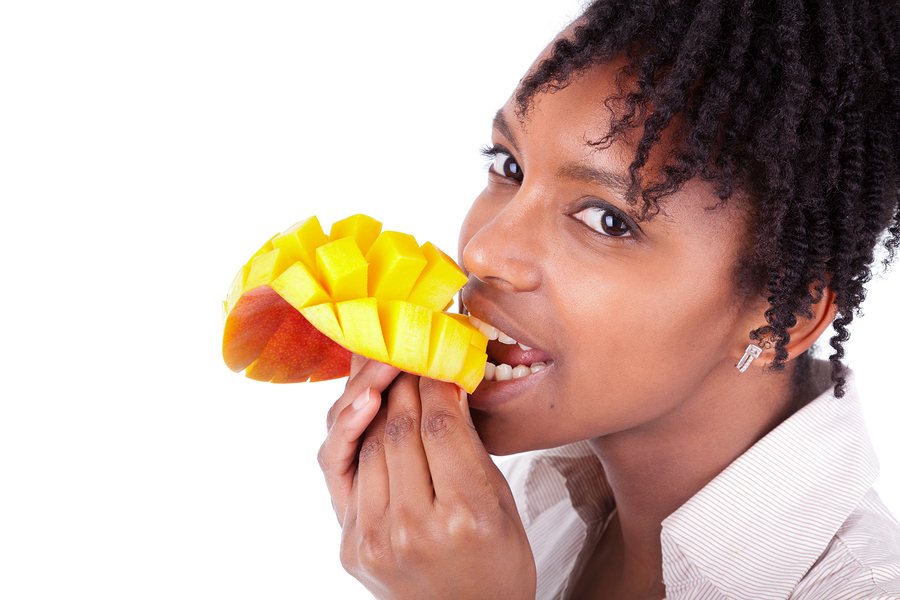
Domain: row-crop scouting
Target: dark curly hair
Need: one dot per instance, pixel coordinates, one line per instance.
(796, 103)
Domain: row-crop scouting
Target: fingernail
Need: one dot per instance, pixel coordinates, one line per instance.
(362, 399)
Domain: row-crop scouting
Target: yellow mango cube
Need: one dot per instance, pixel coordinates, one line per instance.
(438, 281)
(478, 339)
(342, 269)
(301, 240)
(299, 286)
(449, 343)
(473, 369)
(237, 288)
(361, 325)
(267, 247)
(361, 228)
(395, 262)
(324, 318)
(406, 329)
(265, 268)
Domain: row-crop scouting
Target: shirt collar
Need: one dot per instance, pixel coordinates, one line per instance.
(790, 493)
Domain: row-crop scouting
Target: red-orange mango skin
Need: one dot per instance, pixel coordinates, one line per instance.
(268, 337)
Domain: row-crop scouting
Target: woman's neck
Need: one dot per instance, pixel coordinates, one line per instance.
(655, 468)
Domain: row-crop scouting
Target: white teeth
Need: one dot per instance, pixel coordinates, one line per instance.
(492, 333)
(489, 331)
(521, 371)
(503, 372)
(505, 339)
(489, 369)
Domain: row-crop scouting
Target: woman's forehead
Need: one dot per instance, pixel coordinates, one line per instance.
(557, 139)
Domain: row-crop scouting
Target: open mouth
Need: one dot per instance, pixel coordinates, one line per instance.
(507, 358)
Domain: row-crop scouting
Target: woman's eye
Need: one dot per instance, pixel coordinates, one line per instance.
(504, 164)
(604, 220)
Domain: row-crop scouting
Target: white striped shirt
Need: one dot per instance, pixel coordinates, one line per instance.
(793, 517)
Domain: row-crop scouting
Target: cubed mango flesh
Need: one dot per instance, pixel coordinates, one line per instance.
(305, 301)
(395, 262)
(478, 338)
(342, 269)
(450, 341)
(267, 247)
(473, 369)
(361, 326)
(237, 288)
(407, 333)
(439, 280)
(362, 228)
(265, 268)
(324, 318)
(299, 286)
(301, 240)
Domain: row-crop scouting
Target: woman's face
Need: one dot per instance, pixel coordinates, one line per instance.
(638, 321)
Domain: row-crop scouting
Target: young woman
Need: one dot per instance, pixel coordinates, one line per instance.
(676, 189)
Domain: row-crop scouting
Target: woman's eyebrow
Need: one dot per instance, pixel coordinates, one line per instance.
(607, 179)
(588, 174)
(503, 127)
(574, 171)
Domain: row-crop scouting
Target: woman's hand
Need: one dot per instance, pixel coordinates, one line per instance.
(425, 512)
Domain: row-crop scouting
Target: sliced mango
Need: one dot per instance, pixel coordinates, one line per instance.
(301, 240)
(451, 343)
(267, 247)
(473, 369)
(395, 262)
(361, 228)
(343, 269)
(279, 363)
(299, 287)
(438, 281)
(305, 301)
(265, 268)
(362, 328)
(324, 318)
(237, 287)
(407, 333)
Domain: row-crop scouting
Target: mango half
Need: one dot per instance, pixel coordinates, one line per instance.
(305, 301)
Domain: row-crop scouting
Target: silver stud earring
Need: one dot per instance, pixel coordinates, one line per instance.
(750, 353)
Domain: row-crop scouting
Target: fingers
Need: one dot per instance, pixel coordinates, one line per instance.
(369, 374)
(458, 464)
(473, 433)
(372, 482)
(337, 455)
(356, 363)
(347, 420)
(410, 478)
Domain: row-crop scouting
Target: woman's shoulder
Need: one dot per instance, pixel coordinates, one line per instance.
(862, 560)
(570, 474)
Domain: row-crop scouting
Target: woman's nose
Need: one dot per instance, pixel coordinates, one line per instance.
(504, 249)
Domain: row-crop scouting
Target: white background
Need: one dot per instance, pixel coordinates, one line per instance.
(146, 150)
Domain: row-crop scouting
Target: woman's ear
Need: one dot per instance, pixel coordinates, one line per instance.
(808, 329)
(802, 335)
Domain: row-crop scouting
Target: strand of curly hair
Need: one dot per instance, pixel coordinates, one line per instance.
(796, 103)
